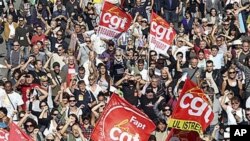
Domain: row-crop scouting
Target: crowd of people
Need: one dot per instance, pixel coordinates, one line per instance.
(61, 74)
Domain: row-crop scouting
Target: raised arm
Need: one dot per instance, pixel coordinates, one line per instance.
(96, 114)
(25, 117)
(222, 102)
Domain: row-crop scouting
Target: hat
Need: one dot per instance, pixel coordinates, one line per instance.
(55, 64)
(237, 42)
(144, 19)
(149, 90)
(3, 125)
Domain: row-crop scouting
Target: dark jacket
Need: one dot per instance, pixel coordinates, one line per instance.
(217, 77)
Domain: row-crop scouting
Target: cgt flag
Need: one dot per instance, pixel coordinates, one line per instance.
(180, 135)
(120, 121)
(4, 135)
(193, 112)
(17, 134)
(113, 21)
(161, 34)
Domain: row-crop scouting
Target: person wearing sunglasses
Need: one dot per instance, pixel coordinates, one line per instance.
(73, 109)
(166, 109)
(232, 83)
(54, 118)
(32, 130)
(235, 113)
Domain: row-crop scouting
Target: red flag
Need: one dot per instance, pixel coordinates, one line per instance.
(193, 112)
(161, 34)
(113, 21)
(4, 135)
(17, 134)
(122, 121)
(179, 135)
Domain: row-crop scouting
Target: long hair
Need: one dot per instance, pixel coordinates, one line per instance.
(158, 121)
(107, 77)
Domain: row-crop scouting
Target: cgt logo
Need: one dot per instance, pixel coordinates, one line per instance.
(128, 125)
(196, 106)
(119, 132)
(162, 32)
(114, 21)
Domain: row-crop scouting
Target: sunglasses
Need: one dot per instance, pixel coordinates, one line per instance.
(88, 41)
(72, 100)
(49, 139)
(233, 72)
(29, 125)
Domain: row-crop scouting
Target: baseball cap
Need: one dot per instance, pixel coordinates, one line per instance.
(237, 42)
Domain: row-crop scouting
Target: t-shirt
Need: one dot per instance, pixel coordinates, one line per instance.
(231, 118)
(97, 90)
(182, 49)
(192, 73)
(24, 89)
(218, 60)
(37, 38)
(14, 98)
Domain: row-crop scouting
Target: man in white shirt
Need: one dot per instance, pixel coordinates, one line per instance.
(217, 58)
(140, 70)
(180, 47)
(11, 100)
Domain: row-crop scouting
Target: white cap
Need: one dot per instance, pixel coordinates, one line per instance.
(237, 42)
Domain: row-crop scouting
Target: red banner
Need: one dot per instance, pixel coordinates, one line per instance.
(179, 135)
(161, 34)
(4, 135)
(193, 112)
(17, 134)
(113, 21)
(120, 121)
